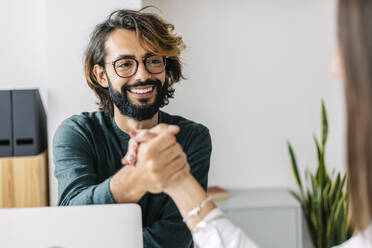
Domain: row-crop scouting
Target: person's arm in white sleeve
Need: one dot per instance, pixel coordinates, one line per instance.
(216, 230)
(210, 228)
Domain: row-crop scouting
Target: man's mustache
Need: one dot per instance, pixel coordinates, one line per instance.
(148, 82)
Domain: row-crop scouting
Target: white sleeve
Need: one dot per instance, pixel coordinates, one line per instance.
(216, 231)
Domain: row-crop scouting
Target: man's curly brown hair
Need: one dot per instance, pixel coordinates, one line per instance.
(152, 32)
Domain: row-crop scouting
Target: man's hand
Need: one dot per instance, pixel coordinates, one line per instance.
(158, 162)
(159, 155)
(141, 136)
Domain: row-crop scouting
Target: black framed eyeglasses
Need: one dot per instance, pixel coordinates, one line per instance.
(127, 66)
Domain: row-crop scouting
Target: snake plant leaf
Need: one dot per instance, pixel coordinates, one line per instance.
(339, 221)
(343, 180)
(350, 231)
(326, 204)
(338, 190)
(316, 226)
(314, 186)
(312, 230)
(324, 125)
(335, 188)
(308, 201)
(316, 206)
(318, 147)
(319, 151)
(321, 173)
(295, 168)
(330, 226)
(327, 188)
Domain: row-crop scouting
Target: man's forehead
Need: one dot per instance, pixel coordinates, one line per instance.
(124, 42)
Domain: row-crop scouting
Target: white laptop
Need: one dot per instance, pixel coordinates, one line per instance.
(111, 225)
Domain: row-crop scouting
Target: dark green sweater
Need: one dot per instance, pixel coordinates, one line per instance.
(87, 151)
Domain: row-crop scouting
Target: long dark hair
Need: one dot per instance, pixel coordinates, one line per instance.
(355, 43)
(153, 33)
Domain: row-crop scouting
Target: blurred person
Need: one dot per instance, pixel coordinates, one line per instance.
(354, 66)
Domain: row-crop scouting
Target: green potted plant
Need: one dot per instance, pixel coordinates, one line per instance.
(323, 196)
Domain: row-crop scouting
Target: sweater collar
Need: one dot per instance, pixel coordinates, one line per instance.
(123, 135)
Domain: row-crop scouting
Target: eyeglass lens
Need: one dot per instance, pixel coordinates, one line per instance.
(128, 66)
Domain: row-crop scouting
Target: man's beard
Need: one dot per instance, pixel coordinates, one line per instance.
(138, 112)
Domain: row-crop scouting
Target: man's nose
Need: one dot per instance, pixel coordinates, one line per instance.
(142, 74)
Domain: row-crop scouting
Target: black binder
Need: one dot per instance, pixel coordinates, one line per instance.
(29, 123)
(6, 142)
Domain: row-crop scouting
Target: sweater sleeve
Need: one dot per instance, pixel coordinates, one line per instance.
(74, 168)
(199, 155)
(169, 230)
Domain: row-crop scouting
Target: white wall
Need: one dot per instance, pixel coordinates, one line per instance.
(257, 71)
(22, 45)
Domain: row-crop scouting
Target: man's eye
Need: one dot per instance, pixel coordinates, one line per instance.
(154, 61)
(125, 64)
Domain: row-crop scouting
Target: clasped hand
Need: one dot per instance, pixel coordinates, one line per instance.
(158, 155)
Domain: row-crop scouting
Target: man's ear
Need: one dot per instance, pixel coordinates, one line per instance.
(100, 74)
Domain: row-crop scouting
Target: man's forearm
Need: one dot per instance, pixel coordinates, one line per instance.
(81, 194)
(188, 194)
(125, 186)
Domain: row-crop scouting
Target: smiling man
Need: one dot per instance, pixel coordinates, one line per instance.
(131, 63)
